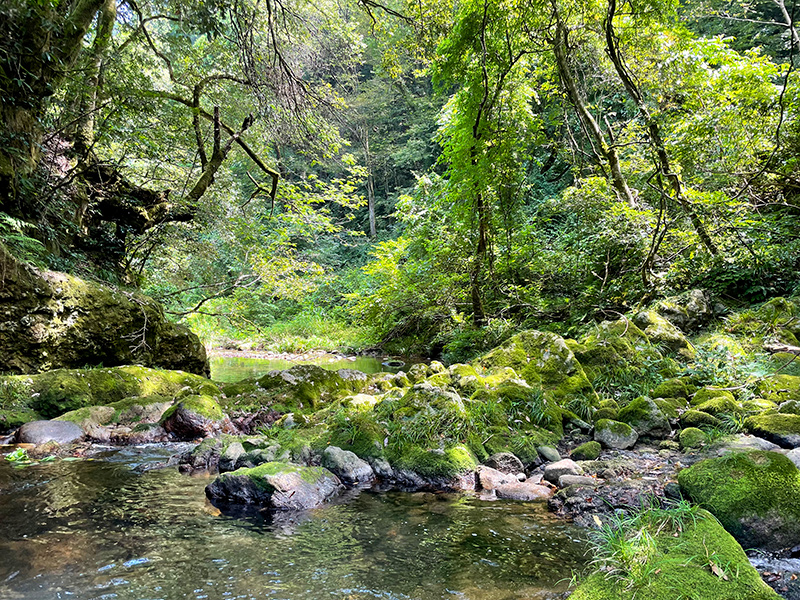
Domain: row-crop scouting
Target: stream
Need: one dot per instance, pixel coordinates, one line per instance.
(103, 528)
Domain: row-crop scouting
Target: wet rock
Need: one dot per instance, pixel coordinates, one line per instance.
(347, 466)
(505, 462)
(41, 432)
(753, 494)
(548, 453)
(489, 479)
(554, 471)
(614, 434)
(227, 461)
(203, 457)
(381, 467)
(568, 480)
(523, 491)
(579, 503)
(195, 417)
(275, 485)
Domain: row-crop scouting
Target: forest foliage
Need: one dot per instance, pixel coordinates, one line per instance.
(427, 175)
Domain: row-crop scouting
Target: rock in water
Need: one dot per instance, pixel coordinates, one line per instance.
(554, 471)
(195, 417)
(51, 320)
(41, 432)
(347, 466)
(276, 485)
(505, 462)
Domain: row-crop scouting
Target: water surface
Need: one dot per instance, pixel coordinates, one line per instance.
(101, 530)
(236, 368)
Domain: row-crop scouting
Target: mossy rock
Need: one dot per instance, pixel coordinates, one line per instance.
(705, 394)
(244, 387)
(668, 408)
(687, 311)
(55, 392)
(446, 464)
(605, 413)
(308, 386)
(193, 417)
(660, 331)
(671, 388)
(778, 428)
(779, 388)
(542, 359)
(722, 343)
(680, 566)
(758, 405)
(619, 345)
(608, 403)
(753, 494)
(790, 407)
(586, 451)
(440, 379)
(89, 416)
(645, 417)
(697, 418)
(614, 434)
(692, 438)
(720, 405)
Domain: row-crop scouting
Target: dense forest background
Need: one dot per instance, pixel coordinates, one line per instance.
(429, 176)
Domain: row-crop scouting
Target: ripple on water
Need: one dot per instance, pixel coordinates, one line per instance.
(97, 529)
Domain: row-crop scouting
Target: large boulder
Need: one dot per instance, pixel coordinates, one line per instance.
(697, 559)
(41, 432)
(778, 428)
(688, 311)
(753, 494)
(661, 331)
(614, 434)
(51, 320)
(310, 386)
(645, 417)
(195, 417)
(554, 471)
(779, 388)
(542, 359)
(347, 466)
(275, 485)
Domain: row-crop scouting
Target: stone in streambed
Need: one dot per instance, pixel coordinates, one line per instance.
(614, 434)
(523, 491)
(41, 432)
(276, 485)
(505, 462)
(554, 471)
(347, 466)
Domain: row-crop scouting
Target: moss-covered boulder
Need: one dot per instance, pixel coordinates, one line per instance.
(614, 434)
(51, 320)
(697, 418)
(276, 485)
(645, 417)
(703, 395)
(779, 428)
(544, 360)
(698, 560)
(347, 466)
(692, 438)
(586, 451)
(779, 388)
(195, 417)
(310, 386)
(434, 468)
(753, 494)
(720, 405)
(688, 311)
(53, 393)
(671, 388)
(662, 332)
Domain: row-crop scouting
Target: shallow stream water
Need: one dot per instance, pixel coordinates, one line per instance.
(100, 529)
(236, 368)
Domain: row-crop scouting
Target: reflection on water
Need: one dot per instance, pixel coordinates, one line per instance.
(98, 529)
(236, 368)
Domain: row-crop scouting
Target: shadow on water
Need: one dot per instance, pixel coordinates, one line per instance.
(99, 529)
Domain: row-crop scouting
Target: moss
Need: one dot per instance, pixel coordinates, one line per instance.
(616, 427)
(696, 418)
(239, 388)
(461, 370)
(780, 388)
(679, 566)
(205, 406)
(608, 403)
(451, 462)
(792, 407)
(605, 413)
(644, 416)
(89, 415)
(667, 407)
(719, 405)
(260, 474)
(782, 429)
(671, 388)
(705, 394)
(587, 451)
(757, 405)
(692, 437)
(440, 379)
(753, 494)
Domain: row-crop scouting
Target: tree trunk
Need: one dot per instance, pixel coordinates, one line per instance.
(373, 232)
(656, 141)
(608, 151)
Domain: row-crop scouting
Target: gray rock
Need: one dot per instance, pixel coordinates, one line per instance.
(490, 479)
(227, 461)
(505, 462)
(568, 480)
(554, 471)
(613, 434)
(259, 456)
(645, 417)
(742, 443)
(381, 467)
(523, 491)
(548, 453)
(40, 432)
(794, 456)
(347, 466)
(275, 485)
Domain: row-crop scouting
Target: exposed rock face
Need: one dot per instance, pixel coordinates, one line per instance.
(51, 320)
(276, 485)
(347, 466)
(753, 494)
(41, 432)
